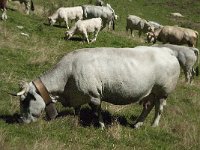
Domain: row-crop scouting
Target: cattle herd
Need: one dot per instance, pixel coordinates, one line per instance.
(144, 74)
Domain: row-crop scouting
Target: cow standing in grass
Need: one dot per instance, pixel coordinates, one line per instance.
(3, 5)
(119, 76)
(188, 58)
(65, 14)
(137, 23)
(174, 35)
(84, 27)
(106, 13)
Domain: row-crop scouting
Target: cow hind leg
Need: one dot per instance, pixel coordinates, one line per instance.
(4, 15)
(159, 104)
(148, 104)
(95, 36)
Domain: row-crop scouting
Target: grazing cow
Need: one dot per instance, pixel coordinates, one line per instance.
(99, 3)
(188, 58)
(174, 35)
(116, 75)
(86, 26)
(106, 13)
(65, 14)
(137, 23)
(3, 5)
(28, 5)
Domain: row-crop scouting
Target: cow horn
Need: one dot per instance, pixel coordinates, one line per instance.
(24, 87)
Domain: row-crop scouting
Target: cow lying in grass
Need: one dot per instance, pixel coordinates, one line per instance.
(84, 27)
(119, 76)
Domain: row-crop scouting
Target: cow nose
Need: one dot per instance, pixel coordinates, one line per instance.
(20, 120)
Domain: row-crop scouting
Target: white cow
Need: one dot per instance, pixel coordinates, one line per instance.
(137, 23)
(188, 58)
(106, 13)
(65, 14)
(84, 27)
(119, 76)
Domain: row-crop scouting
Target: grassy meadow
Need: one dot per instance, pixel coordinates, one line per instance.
(27, 57)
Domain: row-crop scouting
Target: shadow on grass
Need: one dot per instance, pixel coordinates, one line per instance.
(75, 39)
(89, 118)
(10, 119)
(55, 25)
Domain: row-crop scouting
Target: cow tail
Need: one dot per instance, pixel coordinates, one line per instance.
(197, 34)
(196, 51)
(32, 6)
(113, 22)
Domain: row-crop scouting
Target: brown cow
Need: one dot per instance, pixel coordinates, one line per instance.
(174, 35)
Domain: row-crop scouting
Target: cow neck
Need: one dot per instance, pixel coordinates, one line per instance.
(42, 91)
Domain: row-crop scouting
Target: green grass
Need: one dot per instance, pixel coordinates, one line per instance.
(25, 58)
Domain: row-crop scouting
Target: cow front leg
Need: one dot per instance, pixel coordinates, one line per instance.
(96, 107)
(158, 111)
(86, 36)
(148, 104)
(66, 22)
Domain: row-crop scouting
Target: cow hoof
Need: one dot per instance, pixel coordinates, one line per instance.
(102, 125)
(138, 124)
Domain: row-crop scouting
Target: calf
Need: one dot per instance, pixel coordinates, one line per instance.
(84, 27)
(174, 35)
(66, 13)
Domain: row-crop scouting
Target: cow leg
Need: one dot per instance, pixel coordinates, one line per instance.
(4, 16)
(66, 22)
(96, 107)
(148, 104)
(188, 75)
(158, 111)
(95, 36)
(132, 33)
(86, 36)
(77, 113)
(27, 7)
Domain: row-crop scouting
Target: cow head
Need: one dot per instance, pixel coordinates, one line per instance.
(151, 38)
(31, 103)
(51, 21)
(68, 35)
